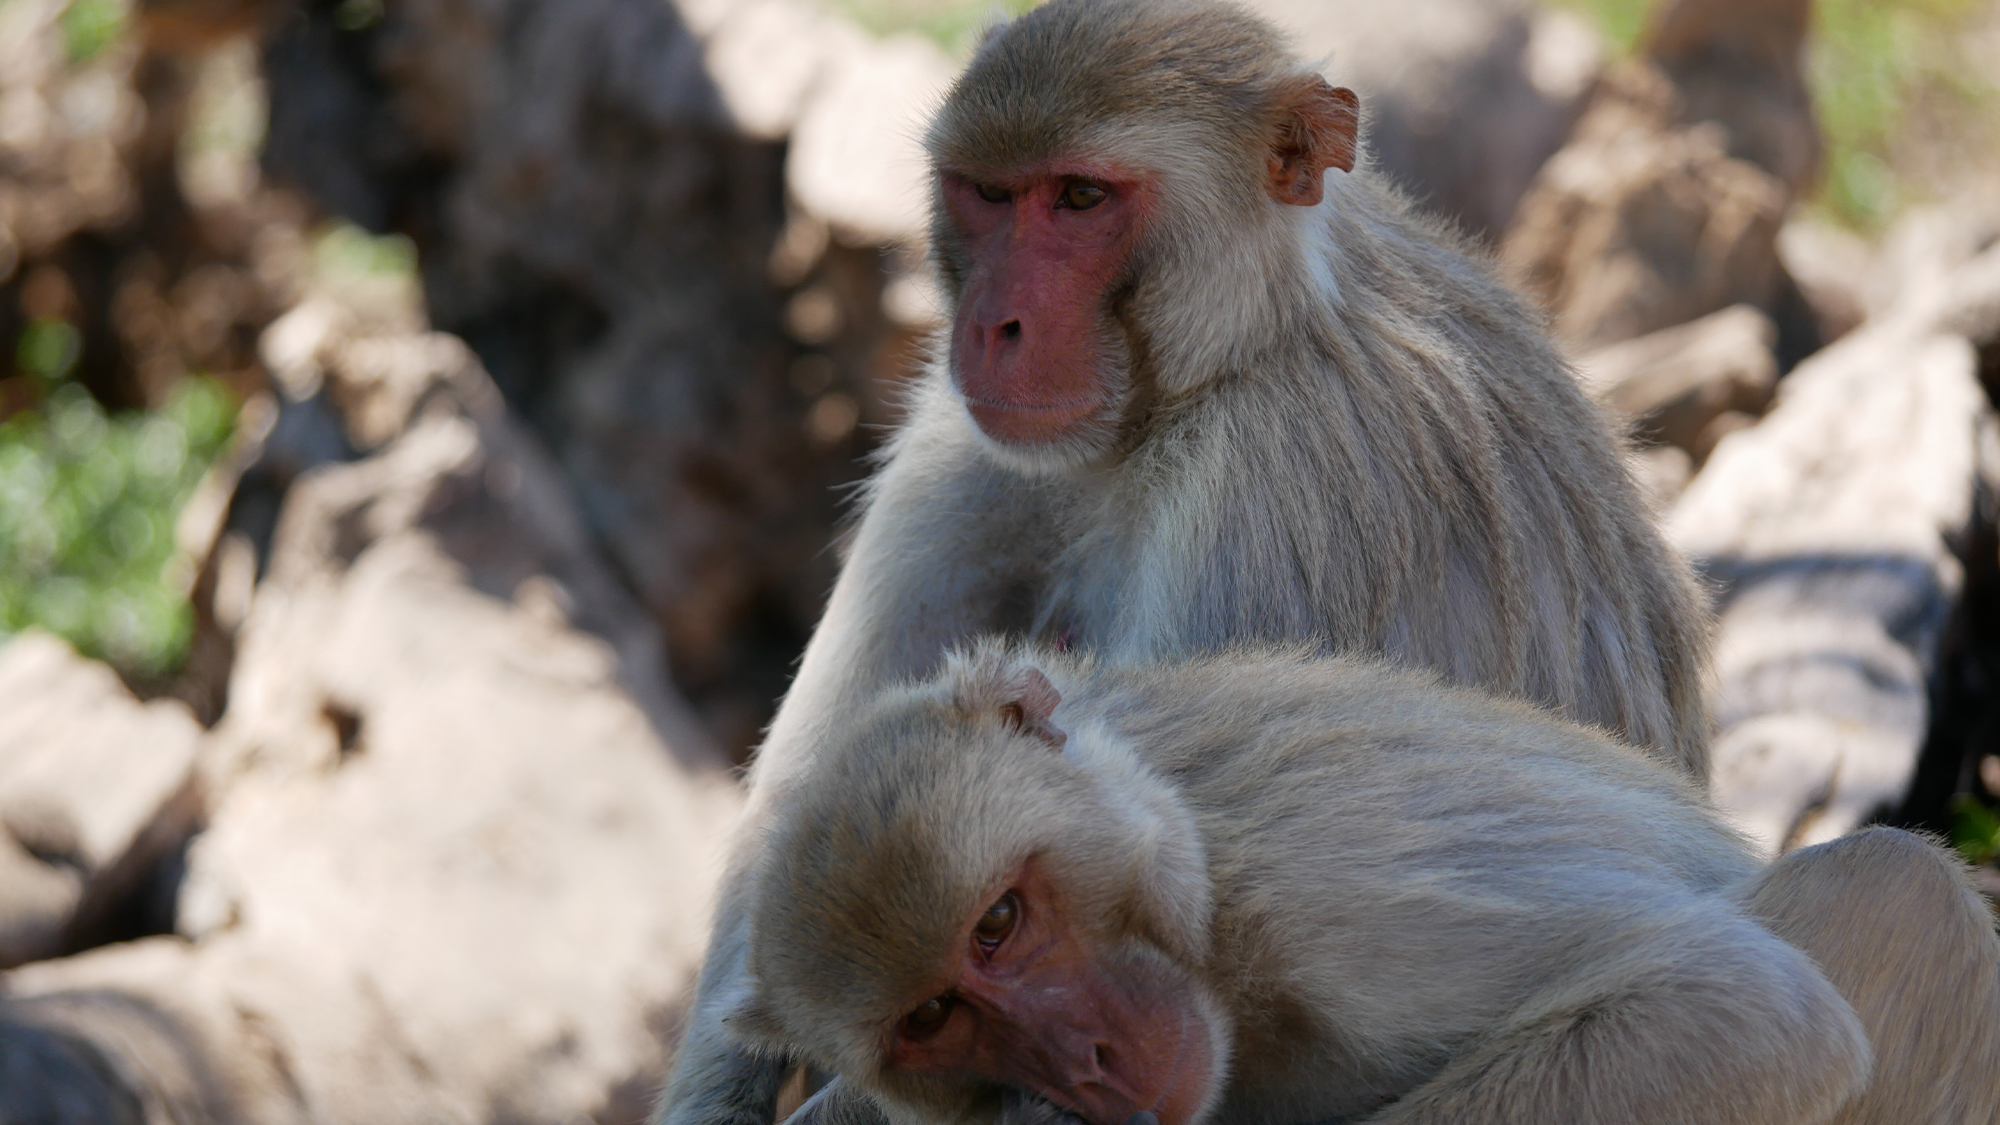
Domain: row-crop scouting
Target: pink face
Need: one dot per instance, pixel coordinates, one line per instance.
(1031, 1005)
(1033, 350)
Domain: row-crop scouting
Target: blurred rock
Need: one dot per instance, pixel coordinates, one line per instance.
(1832, 267)
(1739, 63)
(1668, 386)
(36, 901)
(1719, 427)
(1639, 224)
(1828, 529)
(600, 221)
(457, 866)
(1464, 99)
(1662, 473)
(96, 789)
(1666, 201)
(96, 229)
(856, 157)
(1937, 267)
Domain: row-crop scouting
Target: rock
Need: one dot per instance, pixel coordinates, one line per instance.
(1668, 386)
(1939, 267)
(1739, 63)
(857, 158)
(1463, 99)
(1832, 268)
(597, 215)
(1665, 202)
(1639, 224)
(36, 901)
(95, 789)
(96, 229)
(456, 867)
(768, 56)
(1826, 530)
(1723, 424)
(1662, 473)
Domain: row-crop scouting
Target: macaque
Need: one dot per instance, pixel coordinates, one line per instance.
(1263, 890)
(1207, 382)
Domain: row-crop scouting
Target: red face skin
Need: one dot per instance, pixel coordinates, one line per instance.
(1040, 1010)
(1028, 348)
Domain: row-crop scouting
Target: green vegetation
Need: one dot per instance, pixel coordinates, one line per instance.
(89, 26)
(1876, 67)
(87, 509)
(343, 252)
(953, 24)
(1975, 830)
(1621, 22)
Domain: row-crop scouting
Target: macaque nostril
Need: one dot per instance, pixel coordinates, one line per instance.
(1011, 330)
(1143, 1117)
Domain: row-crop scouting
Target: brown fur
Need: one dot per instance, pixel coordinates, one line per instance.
(1405, 903)
(1337, 429)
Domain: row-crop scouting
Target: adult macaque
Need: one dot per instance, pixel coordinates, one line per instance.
(1205, 386)
(1264, 891)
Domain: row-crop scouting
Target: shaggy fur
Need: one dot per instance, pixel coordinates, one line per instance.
(1400, 902)
(1335, 428)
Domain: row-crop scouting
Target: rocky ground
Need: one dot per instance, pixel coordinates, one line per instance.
(503, 570)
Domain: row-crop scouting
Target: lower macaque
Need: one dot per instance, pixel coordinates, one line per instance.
(1269, 890)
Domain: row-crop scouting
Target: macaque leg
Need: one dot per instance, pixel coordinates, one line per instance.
(1705, 1018)
(1892, 922)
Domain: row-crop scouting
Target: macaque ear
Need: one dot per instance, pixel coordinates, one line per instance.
(1034, 704)
(1314, 128)
(1023, 697)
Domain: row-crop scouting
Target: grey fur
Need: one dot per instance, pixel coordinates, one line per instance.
(1416, 904)
(1337, 429)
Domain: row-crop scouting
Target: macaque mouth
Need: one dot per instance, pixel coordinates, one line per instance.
(1081, 405)
(1025, 1107)
(1031, 423)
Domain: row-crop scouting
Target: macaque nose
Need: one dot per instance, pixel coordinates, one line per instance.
(1011, 330)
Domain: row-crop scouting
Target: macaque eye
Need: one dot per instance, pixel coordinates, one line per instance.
(993, 194)
(998, 921)
(1082, 195)
(928, 1018)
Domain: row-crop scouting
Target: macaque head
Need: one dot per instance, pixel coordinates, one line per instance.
(1118, 189)
(962, 903)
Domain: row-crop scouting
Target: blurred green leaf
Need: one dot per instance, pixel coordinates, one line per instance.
(344, 252)
(952, 24)
(357, 15)
(87, 509)
(1621, 22)
(48, 349)
(1975, 830)
(89, 26)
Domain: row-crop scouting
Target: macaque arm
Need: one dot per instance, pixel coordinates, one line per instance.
(946, 539)
(1705, 1017)
(839, 1103)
